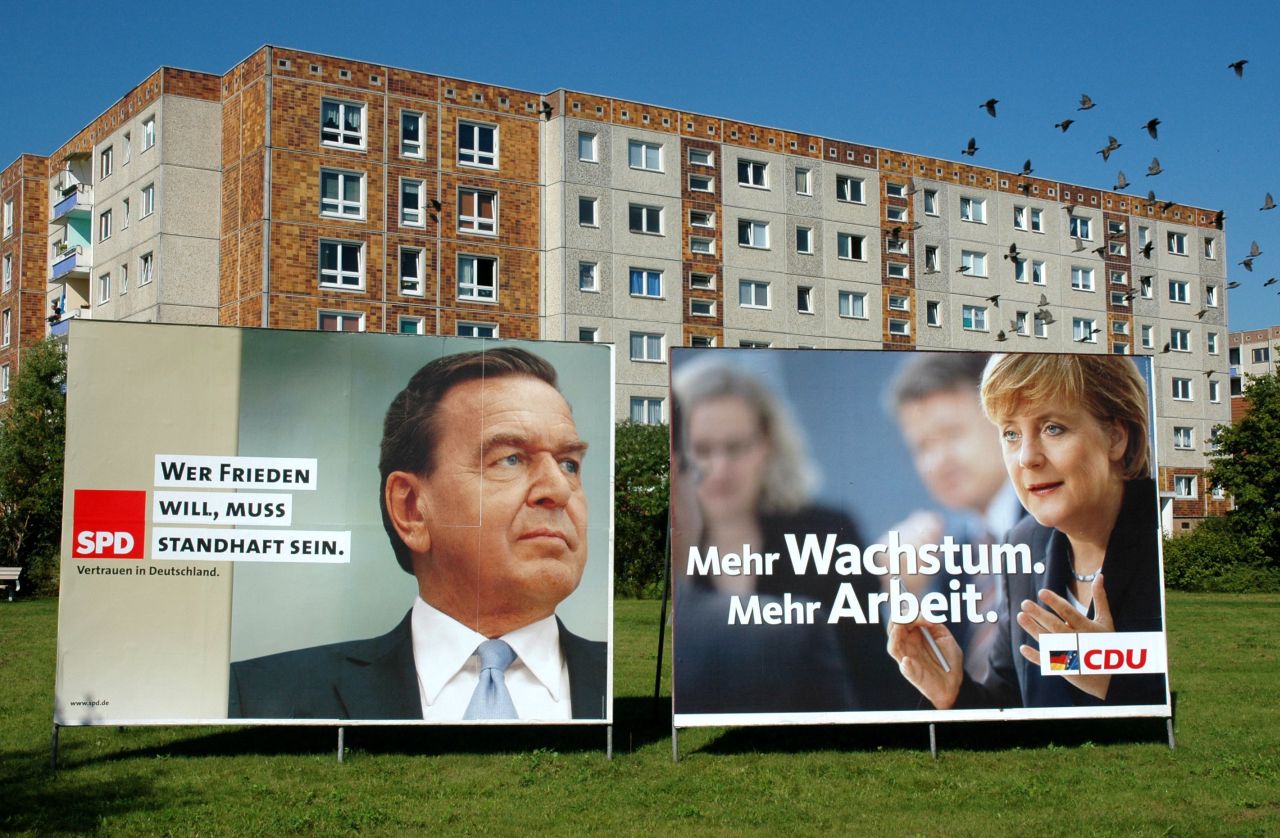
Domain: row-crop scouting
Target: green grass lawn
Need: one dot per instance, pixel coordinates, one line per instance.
(1001, 778)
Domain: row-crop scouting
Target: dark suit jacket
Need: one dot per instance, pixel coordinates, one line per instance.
(1131, 571)
(376, 679)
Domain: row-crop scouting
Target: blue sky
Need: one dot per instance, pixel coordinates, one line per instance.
(902, 76)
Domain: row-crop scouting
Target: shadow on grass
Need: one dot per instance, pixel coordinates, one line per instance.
(37, 800)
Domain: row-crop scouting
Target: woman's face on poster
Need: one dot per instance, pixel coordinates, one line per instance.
(730, 451)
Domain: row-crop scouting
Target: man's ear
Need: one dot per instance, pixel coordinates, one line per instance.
(407, 508)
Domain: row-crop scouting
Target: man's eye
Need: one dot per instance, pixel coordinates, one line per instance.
(510, 460)
(571, 466)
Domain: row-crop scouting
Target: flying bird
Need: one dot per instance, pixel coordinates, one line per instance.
(1079, 246)
(1045, 317)
(1101, 250)
(963, 269)
(1151, 128)
(1238, 66)
(990, 106)
(1025, 187)
(1044, 301)
(1130, 294)
(1122, 182)
(1146, 250)
(1151, 195)
(1112, 145)
(1232, 285)
(969, 149)
(1218, 218)
(1268, 203)
(1201, 313)
(1164, 350)
(1000, 336)
(1248, 263)
(1064, 124)
(994, 299)
(1154, 168)
(1085, 338)
(1254, 250)
(1013, 254)
(1085, 102)
(1026, 168)
(1271, 281)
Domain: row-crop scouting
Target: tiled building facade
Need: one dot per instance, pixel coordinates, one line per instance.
(356, 196)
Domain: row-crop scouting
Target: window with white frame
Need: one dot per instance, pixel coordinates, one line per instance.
(1116, 247)
(341, 264)
(340, 321)
(701, 183)
(465, 329)
(974, 318)
(342, 194)
(646, 346)
(1145, 287)
(148, 200)
(106, 162)
(931, 257)
(104, 288)
(850, 246)
(974, 262)
(1019, 270)
(1148, 336)
(849, 189)
(753, 293)
(1119, 278)
(1019, 217)
(702, 281)
(1022, 323)
(893, 244)
(804, 181)
(1261, 354)
(1119, 327)
(412, 270)
(973, 209)
(702, 341)
(126, 143)
(702, 245)
(1144, 235)
(146, 268)
(1119, 298)
(148, 132)
(341, 124)
(7, 327)
(646, 410)
(852, 304)
(1081, 278)
(1038, 272)
(587, 214)
(1080, 227)
(1178, 291)
(8, 272)
(1211, 296)
(701, 157)
(895, 213)
(899, 302)
(702, 308)
(1180, 340)
(588, 147)
(1084, 330)
(587, 334)
(411, 203)
(930, 202)
(1118, 348)
(8, 218)
(702, 218)
(1184, 486)
(1182, 389)
(104, 225)
(1211, 343)
(646, 282)
(644, 155)
(1215, 391)
(1183, 437)
(895, 190)
(804, 299)
(477, 144)
(409, 325)
(124, 279)
(4, 383)
(411, 133)
(932, 313)
(753, 233)
(477, 278)
(645, 219)
(1208, 247)
(124, 214)
(753, 173)
(478, 211)
(1177, 243)
(899, 327)
(1037, 220)
(1039, 326)
(588, 276)
(898, 270)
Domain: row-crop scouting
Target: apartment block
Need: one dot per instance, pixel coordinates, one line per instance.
(1250, 353)
(306, 191)
(23, 213)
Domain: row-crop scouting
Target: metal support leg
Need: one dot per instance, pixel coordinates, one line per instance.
(675, 744)
(341, 742)
(53, 748)
(608, 742)
(1169, 726)
(933, 740)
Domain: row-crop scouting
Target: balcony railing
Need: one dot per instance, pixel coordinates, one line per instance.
(59, 328)
(78, 199)
(69, 261)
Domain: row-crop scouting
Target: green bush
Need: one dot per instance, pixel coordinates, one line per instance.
(1216, 557)
(640, 495)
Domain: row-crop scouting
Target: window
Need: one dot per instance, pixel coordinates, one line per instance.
(1177, 291)
(930, 202)
(895, 245)
(895, 213)
(104, 288)
(702, 308)
(1182, 438)
(1211, 296)
(974, 318)
(702, 341)
(411, 132)
(587, 216)
(587, 147)
(1182, 389)
(337, 321)
(8, 272)
(1184, 486)
(4, 383)
(898, 302)
(1233, 356)
(1119, 278)
(124, 279)
(126, 142)
(1019, 218)
(753, 233)
(804, 181)
(1084, 330)
(477, 278)
(753, 293)
(1115, 247)
(646, 411)
(973, 209)
(476, 330)
(1039, 326)
(341, 264)
(1022, 323)
(702, 183)
(407, 325)
(478, 211)
(477, 144)
(6, 327)
(701, 157)
(1177, 243)
(1145, 287)
(931, 258)
(1148, 337)
(646, 346)
(106, 162)
(124, 214)
(411, 214)
(587, 334)
(1081, 278)
(645, 219)
(148, 132)
(850, 246)
(1037, 220)
(341, 124)
(149, 200)
(1144, 235)
(852, 304)
(1037, 272)
(411, 271)
(1119, 327)
(646, 283)
(753, 173)
(932, 313)
(704, 281)
(1208, 247)
(804, 299)
(342, 194)
(702, 218)
(849, 189)
(8, 219)
(702, 245)
(1215, 392)
(1180, 340)
(146, 266)
(1119, 298)
(104, 226)
(588, 276)
(895, 190)
(1081, 227)
(1261, 354)
(974, 261)
(899, 327)
(1120, 349)
(642, 155)
(1019, 270)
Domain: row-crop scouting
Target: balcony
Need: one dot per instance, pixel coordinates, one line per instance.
(77, 200)
(59, 328)
(71, 262)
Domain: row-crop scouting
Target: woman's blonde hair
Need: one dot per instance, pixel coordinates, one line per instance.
(789, 476)
(1107, 386)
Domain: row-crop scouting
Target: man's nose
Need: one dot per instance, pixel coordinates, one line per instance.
(550, 485)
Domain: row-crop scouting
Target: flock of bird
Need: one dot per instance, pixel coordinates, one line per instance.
(1151, 126)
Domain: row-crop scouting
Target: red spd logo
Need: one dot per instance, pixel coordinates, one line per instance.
(108, 524)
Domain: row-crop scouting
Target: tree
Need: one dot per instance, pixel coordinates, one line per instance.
(32, 436)
(1247, 465)
(640, 499)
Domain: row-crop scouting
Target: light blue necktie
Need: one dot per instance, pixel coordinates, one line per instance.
(491, 700)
